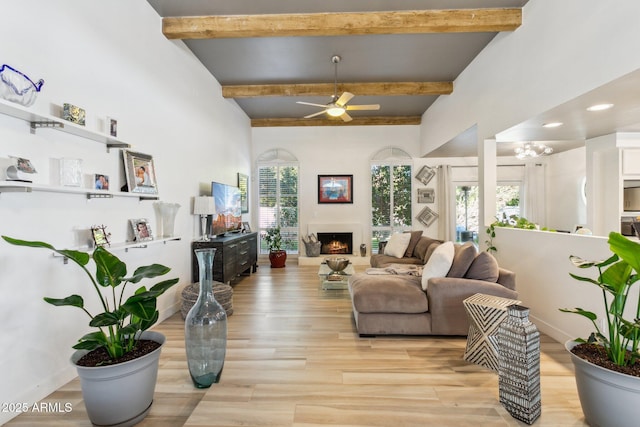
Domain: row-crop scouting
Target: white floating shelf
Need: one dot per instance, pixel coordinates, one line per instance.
(28, 187)
(42, 121)
(122, 246)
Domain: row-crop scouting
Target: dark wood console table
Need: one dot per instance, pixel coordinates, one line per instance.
(236, 254)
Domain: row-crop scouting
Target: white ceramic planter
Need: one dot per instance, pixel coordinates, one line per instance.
(120, 395)
(608, 398)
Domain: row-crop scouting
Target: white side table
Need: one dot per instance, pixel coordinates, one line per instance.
(485, 313)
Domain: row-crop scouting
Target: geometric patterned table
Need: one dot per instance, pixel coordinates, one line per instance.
(485, 313)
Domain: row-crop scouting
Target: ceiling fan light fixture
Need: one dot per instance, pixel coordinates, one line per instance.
(335, 111)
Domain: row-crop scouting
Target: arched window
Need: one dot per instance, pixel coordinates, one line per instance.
(278, 197)
(390, 194)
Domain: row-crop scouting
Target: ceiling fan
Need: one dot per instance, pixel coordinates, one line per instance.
(338, 107)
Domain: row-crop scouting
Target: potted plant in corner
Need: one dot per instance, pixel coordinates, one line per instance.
(118, 362)
(277, 256)
(607, 364)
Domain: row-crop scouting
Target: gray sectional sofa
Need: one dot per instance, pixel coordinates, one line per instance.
(396, 304)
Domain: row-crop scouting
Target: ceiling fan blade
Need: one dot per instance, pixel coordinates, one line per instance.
(314, 114)
(312, 104)
(363, 107)
(345, 117)
(344, 98)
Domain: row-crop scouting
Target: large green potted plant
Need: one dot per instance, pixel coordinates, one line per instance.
(607, 364)
(118, 361)
(273, 239)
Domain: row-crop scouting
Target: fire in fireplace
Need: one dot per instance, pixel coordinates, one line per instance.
(336, 243)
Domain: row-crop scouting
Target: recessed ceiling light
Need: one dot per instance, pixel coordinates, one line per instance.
(552, 125)
(599, 107)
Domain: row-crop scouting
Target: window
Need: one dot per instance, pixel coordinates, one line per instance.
(507, 203)
(278, 200)
(390, 196)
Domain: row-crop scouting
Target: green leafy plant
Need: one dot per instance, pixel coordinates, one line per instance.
(512, 221)
(273, 238)
(121, 323)
(616, 276)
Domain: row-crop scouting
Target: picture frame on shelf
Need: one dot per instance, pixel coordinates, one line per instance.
(100, 235)
(70, 172)
(101, 181)
(141, 230)
(73, 114)
(427, 216)
(140, 172)
(243, 185)
(426, 195)
(112, 127)
(20, 169)
(425, 174)
(246, 228)
(335, 189)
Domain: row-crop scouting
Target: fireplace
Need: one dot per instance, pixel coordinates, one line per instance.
(336, 243)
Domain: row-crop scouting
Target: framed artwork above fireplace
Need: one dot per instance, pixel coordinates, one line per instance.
(335, 188)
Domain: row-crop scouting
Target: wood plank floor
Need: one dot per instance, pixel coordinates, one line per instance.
(294, 359)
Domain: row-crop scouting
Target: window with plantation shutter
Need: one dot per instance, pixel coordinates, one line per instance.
(278, 199)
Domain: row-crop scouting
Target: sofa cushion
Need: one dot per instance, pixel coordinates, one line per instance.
(420, 251)
(484, 267)
(464, 256)
(387, 294)
(397, 245)
(379, 260)
(415, 236)
(439, 263)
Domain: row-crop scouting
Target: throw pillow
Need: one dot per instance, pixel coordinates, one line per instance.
(432, 247)
(397, 245)
(439, 263)
(464, 256)
(415, 236)
(421, 249)
(484, 267)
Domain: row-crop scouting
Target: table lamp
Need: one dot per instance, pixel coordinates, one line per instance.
(204, 206)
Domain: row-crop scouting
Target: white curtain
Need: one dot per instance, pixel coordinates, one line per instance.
(534, 193)
(446, 204)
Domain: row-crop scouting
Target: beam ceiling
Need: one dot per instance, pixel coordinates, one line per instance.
(348, 23)
(357, 121)
(322, 89)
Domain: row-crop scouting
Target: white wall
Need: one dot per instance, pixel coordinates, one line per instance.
(564, 177)
(334, 150)
(111, 59)
(562, 50)
(540, 260)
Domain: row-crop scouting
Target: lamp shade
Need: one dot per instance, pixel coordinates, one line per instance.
(204, 205)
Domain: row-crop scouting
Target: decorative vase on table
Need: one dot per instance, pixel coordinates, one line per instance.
(363, 249)
(165, 218)
(205, 328)
(519, 365)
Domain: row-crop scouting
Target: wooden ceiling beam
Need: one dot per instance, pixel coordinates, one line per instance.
(326, 89)
(343, 24)
(357, 121)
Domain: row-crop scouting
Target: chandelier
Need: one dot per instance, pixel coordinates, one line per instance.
(532, 149)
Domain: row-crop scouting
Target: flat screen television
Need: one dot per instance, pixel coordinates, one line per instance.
(228, 216)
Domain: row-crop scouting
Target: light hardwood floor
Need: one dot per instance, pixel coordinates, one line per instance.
(294, 359)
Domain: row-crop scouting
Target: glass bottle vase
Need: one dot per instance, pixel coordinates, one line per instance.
(205, 328)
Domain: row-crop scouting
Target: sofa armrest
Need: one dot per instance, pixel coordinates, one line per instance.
(507, 279)
(445, 296)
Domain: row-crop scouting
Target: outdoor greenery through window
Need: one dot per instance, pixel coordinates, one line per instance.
(278, 204)
(467, 208)
(390, 201)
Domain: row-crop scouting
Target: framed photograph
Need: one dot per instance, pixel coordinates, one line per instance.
(100, 235)
(101, 181)
(335, 188)
(140, 172)
(246, 228)
(112, 124)
(243, 185)
(425, 174)
(141, 230)
(427, 216)
(426, 195)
